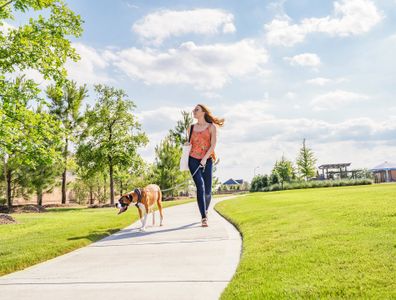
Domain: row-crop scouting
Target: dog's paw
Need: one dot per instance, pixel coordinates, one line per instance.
(142, 229)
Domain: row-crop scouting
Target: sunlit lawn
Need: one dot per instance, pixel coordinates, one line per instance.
(326, 243)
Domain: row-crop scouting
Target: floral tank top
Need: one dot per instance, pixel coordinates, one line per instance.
(200, 143)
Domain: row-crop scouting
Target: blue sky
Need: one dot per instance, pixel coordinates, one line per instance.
(278, 71)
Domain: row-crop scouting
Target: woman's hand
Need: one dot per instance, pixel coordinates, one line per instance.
(203, 161)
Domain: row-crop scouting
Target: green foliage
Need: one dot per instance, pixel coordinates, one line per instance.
(306, 162)
(260, 182)
(167, 166)
(41, 44)
(274, 178)
(364, 174)
(31, 139)
(65, 104)
(179, 134)
(284, 168)
(316, 184)
(111, 135)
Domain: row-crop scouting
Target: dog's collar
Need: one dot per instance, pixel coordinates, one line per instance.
(139, 194)
(130, 197)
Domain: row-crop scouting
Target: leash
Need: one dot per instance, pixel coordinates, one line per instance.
(180, 184)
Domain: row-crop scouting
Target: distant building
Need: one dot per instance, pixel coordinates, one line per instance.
(233, 184)
(336, 171)
(385, 172)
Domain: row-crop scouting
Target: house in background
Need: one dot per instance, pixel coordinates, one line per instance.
(232, 184)
(385, 172)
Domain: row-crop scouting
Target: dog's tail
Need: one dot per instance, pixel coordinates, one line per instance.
(159, 204)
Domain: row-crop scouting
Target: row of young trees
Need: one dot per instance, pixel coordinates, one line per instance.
(45, 134)
(29, 134)
(285, 171)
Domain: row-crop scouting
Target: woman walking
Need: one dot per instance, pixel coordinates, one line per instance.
(203, 143)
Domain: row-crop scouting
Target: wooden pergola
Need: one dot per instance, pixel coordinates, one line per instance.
(341, 169)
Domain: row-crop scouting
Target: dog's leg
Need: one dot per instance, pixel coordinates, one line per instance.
(140, 214)
(153, 212)
(159, 204)
(142, 211)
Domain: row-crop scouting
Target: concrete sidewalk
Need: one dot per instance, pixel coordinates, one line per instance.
(180, 260)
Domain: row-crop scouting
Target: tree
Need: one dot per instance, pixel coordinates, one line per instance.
(41, 45)
(127, 181)
(275, 178)
(306, 162)
(42, 178)
(111, 135)
(29, 138)
(256, 184)
(65, 105)
(179, 134)
(168, 153)
(167, 172)
(259, 182)
(284, 168)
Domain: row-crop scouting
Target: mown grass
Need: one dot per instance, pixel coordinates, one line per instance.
(41, 236)
(329, 243)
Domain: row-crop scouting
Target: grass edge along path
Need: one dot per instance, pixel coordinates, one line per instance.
(38, 237)
(329, 243)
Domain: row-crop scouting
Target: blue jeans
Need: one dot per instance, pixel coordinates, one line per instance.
(203, 182)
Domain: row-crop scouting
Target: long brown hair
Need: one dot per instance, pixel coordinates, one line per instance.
(210, 118)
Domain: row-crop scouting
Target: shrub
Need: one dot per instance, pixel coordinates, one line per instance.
(314, 184)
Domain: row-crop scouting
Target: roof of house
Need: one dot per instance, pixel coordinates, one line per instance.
(384, 166)
(232, 181)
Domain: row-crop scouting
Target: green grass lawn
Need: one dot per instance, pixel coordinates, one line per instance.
(41, 236)
(327, 243)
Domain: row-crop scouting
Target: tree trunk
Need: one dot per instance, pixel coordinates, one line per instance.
(111, 182)
(104, 188)
(8, 174)
(99, 196)
(40, 197)
(91, 201)
(64, 173)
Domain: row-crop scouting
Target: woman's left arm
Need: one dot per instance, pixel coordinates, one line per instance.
(213, 140)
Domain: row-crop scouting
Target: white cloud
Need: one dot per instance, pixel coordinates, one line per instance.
(350, 17)
(253, 137)
(158, 26)
(333, 100)
(305, 60)
(290, 95)
(281, 32)
(131, 5)
(206, 67)
(91, 68)
(321, 81)
(160, 119)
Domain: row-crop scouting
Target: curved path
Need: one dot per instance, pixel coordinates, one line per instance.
(180, 260)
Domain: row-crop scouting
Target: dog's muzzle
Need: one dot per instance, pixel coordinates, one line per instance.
(122, 207)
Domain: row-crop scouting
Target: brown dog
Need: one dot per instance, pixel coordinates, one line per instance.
(144, 199)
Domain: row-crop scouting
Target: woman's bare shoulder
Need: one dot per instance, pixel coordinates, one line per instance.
(212, 127)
